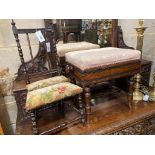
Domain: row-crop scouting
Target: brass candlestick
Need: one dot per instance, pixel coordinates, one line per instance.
(140, 35)
(137, 95)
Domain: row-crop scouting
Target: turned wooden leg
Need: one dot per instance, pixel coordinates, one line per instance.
(65, 37)
(34, 123)
(87, 103)
(81, 108)
(61, 107)
(130, 93)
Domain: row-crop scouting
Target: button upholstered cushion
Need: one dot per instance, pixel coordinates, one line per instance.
(46, 82)
(62, 49)
(93, 58)
(46, 95)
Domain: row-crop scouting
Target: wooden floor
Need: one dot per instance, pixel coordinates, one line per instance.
(109, 114)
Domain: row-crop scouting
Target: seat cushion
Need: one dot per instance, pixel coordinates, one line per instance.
(62, 49)
(88, 59)
(46, 82)
(43, 96)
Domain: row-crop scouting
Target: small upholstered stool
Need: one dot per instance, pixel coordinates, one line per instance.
(48, 91)
(93, 67)
(62, 49)
(50, 94)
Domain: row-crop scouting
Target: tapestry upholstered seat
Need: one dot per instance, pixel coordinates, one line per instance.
(62, 49)
(46, 82)
(50, 94)
(103, 57)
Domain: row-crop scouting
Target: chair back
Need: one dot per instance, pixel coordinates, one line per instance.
(45, 63)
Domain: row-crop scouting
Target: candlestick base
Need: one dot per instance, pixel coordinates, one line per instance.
(137, 95)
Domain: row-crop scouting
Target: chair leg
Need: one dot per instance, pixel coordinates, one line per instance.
(81, 107)
(130, 93)
(34, 123)
(87, 95)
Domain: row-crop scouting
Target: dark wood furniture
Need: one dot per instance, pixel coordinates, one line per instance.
(98, 76)
(35, 70)
(65, 27)
(145, 73)
(117, 41)
(112, 116)
(90, 36)
(71, 26)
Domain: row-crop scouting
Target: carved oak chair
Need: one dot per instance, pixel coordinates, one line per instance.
(39, 85)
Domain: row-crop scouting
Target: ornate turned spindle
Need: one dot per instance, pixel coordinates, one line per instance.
(30, 49)
(81, 108)
(130, 92)
(54, 46)
(87, 104)
(20, 51)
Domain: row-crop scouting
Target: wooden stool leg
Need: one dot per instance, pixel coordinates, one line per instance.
(130, 93)
(87, 103)
(81, 107)
(34, 123)
(61, 107)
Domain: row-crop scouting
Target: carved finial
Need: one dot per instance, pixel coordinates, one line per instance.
(50, 25)
(140, 22)
(13, 23)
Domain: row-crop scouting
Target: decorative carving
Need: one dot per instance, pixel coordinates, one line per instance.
(39, 60)
(150, 129)
(25, 71)
(35, 68)
(146, 127)
(34, 123)
(37, 64)
(82, 111)
(138, 129)
(20, 98)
